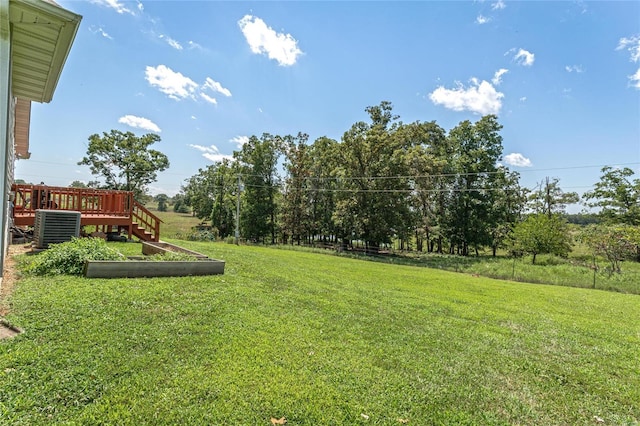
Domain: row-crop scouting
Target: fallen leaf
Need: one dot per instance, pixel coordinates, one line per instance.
(279, 421)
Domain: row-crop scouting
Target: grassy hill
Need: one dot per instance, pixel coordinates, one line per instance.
(318, 340)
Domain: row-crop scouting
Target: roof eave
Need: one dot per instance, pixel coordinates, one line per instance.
(70, 22)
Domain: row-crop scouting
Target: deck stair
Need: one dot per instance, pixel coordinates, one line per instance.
(103, 209)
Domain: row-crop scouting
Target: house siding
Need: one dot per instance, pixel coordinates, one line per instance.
(7, 120)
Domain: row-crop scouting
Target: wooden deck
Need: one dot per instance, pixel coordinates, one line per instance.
(106, 210)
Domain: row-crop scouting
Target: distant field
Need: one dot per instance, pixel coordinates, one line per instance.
(173, 224)
(318, 340)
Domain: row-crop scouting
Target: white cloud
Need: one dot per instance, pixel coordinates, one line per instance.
(632, 44)
(171, 83)
(240, 140)
(497, 77)
(216, 87)
(101, 31)
(209, 98)
(574, 68)
(482, 20)
(211, 153)
(115, 5)
(517, 159)
(499, 5)
(171, 42)
(635, 79)
(139, 123)
(178, 86)
(479, 97)
(524, 58)
(263, 39)
(194, 45)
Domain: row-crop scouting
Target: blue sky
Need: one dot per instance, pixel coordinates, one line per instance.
(563, 78)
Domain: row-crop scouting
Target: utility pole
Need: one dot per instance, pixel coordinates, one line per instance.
(238, 213)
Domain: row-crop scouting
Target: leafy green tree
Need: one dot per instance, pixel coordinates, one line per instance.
(295, 212)
(225, 189)
(323, 155)
(617, 196)
(477, 147)
(509, 199)
(198, 192)
(258, 161)
(613, 242)
(374, 202)
(211, 194)
(124, 160)
(78, 184)
(541, 234)
(179, 205)
(428, 166)
(549, 198)
(162, 200)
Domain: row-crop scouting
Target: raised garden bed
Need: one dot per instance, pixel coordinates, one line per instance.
(150, 248)
(133, 268)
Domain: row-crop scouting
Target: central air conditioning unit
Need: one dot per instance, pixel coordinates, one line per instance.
(55, 226)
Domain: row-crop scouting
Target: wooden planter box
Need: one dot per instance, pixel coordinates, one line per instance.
(147, 268)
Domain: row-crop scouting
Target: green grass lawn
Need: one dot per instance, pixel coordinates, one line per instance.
(320, 340)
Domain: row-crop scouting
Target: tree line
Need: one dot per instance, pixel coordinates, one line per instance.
(385, 181)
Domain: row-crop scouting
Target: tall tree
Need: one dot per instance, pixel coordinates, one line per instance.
(225, 190)
(476, 150)
(258, 165)
(296, 214)
(162, 200)
(373, 204)
(323, 155)
(199, 192)
(124, 160)
(617, 196)
(211, 193)
(548, 198)
(509, 199)
(428, 164)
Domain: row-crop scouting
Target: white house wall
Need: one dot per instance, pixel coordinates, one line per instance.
(6, 121)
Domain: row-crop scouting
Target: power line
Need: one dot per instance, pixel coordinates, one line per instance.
(600, 166)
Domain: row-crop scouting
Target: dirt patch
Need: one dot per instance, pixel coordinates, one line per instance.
(7, 330)
(9, 278)
(10, 275)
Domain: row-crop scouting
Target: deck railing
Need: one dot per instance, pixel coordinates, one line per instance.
(146, 220)
(89, 202)
(29, 198)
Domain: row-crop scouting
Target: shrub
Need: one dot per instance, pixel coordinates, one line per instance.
(69, 258)
(204, 235)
